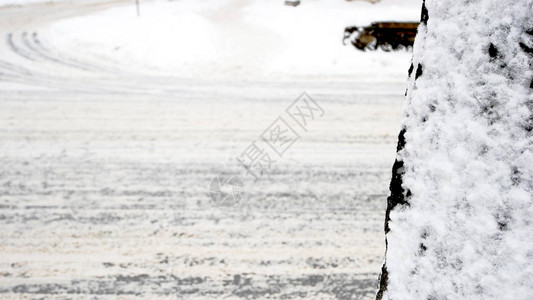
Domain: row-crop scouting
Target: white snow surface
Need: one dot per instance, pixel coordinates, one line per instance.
(239, 39)
(105, 171)
(25, 2)
(469, 166)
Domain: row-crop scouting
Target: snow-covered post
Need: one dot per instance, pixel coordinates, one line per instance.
(459, 217)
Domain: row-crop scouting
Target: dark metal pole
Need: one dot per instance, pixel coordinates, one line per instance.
(138, 9)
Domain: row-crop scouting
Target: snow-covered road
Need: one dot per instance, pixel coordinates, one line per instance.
(133, 151)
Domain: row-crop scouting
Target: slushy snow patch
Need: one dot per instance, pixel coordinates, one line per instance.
(465, 232)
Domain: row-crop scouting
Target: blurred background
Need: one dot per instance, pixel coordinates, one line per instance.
(115, 118)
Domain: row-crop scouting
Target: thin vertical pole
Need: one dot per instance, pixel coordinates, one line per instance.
(138, 9)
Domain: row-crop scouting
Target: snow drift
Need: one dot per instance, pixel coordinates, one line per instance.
(239, 40)
(459, 215)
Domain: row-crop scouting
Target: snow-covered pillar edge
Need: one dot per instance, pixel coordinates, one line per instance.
(398, 196)
(503, 50)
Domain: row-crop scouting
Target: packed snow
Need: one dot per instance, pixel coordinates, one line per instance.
(468, 160)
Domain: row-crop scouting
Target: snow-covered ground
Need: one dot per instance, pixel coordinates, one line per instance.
(131, 118)
(23, 2)
(246, 40)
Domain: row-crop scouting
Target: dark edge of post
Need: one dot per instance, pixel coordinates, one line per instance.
(398, 196)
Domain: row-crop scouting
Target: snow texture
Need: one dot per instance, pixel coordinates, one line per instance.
(459, 215)
(105, 168)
